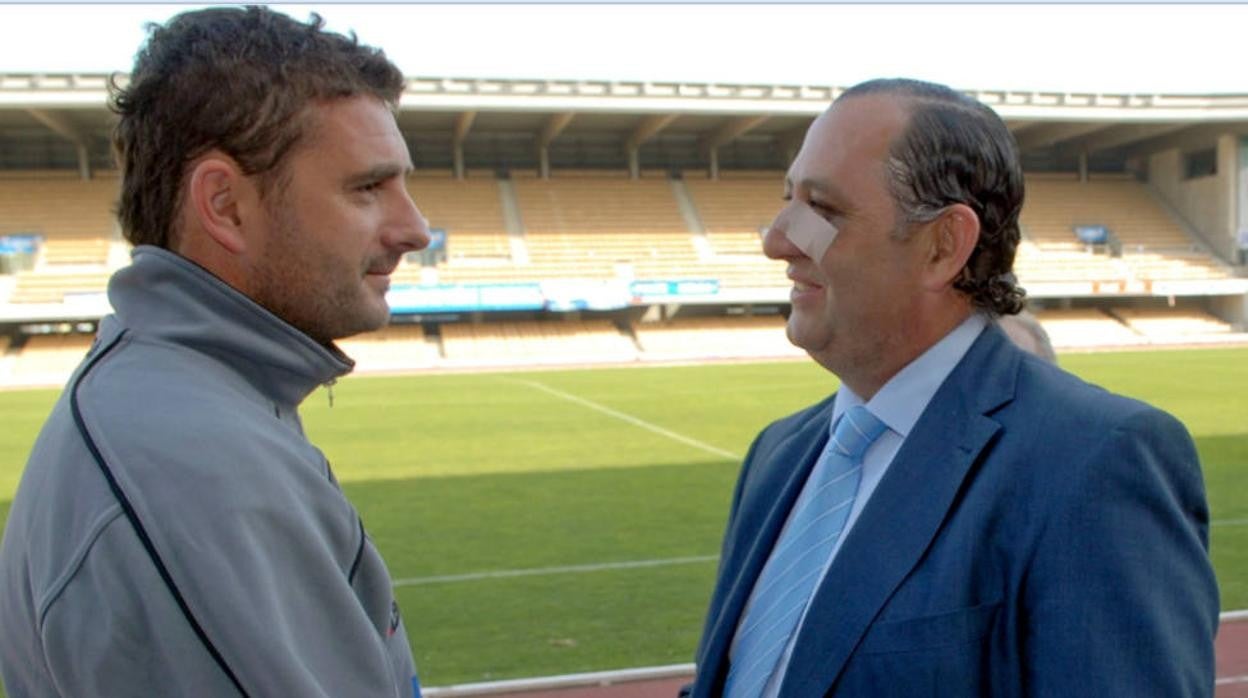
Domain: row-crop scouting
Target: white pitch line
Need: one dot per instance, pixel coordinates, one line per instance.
(631, 420)
(568, 569)
(1230, 522)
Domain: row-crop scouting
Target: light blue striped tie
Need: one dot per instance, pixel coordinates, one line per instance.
(788, 580)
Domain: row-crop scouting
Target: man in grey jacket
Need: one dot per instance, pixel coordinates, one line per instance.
(175, 533)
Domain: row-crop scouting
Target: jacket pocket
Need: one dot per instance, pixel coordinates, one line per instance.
(941, 655)
(950, 629)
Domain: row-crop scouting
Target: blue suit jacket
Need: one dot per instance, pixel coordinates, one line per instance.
(1035, 535)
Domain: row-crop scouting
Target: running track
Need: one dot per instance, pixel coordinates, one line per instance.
(1231, 682)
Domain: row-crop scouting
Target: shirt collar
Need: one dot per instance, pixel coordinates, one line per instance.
(901, 401)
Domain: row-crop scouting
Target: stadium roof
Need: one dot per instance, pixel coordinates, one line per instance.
(50, 121)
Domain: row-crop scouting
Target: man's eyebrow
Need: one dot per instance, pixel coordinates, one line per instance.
(822, 186)
(379, 173)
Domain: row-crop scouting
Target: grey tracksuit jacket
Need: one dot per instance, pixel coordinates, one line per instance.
(175, 533)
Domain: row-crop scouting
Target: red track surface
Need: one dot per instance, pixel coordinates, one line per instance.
(1232, 674)
(1233, 659)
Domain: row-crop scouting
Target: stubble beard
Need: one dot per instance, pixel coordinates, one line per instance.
(313, 293)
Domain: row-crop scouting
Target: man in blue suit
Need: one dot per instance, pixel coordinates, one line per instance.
(961, 518)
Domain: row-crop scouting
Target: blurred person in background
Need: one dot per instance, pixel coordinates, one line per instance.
(1025, 330)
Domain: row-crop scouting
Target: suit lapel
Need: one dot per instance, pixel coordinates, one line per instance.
(777, 479)
(903, 516)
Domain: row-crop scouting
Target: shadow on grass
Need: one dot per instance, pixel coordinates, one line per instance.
(554, 622)
(1224, 460)
(454, 525)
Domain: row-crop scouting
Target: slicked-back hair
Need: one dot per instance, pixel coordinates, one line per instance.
(957, 150)
(234, 79)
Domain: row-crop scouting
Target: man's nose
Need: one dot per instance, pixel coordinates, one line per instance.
(776, 242)
(410, 231)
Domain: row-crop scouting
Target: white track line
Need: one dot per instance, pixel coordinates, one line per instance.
(596, 679)
(1228, 680)
(569, 569)
(630, 419)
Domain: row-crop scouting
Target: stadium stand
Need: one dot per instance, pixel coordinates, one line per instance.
(1055, 204)
(470, 210)
(735, 209)
(603, 202)
(1036, 264)
(1145, 243)
(1173, 325)
(62, 207)
(559, 342)
(1077, 328)
(74, 218)
(467, 206)
(641, 255)
(55, 286)
(7, 359)
(715, 337)
(601, 226)
(391, 349)
(49, 359)
(1182, 265)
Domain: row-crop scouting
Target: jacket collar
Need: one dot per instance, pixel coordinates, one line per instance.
(166, 297)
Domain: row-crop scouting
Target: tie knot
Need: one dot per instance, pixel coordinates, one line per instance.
(856, 431)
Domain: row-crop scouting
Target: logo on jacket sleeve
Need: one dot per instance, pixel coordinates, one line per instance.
(394, 619)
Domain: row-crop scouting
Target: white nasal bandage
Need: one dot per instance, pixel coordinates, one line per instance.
(812, 233)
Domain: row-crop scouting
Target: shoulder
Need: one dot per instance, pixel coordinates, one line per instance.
(1058, 399)
(188, 440)
(781, 429)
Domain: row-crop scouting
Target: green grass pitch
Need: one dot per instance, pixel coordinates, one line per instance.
(478, 473)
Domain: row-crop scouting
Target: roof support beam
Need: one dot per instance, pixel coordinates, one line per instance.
(1051, 134)
(61, 126)
(646, 129)
(730, 130)
(1017, 127)
(1188, 138)
(463, 124)
(733, 129)
(1126, 135)
(554, 126)
(790, 142)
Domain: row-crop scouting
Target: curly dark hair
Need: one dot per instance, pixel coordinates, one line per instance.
(957, 150)
(233, 78)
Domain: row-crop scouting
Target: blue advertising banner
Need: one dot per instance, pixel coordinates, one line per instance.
(412, 298)
(555, 295)
(673, 289)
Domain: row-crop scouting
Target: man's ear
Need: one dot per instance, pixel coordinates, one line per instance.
(954, 236)
(217, 191)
